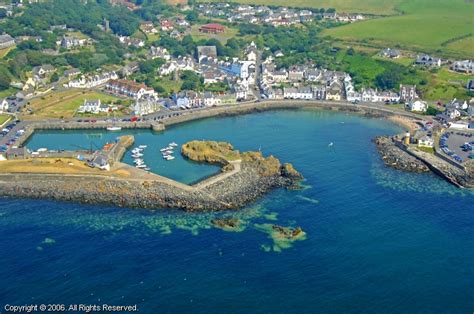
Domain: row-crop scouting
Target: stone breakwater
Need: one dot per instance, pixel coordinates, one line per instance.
(396, 158)
(413, 160)
(253, 180)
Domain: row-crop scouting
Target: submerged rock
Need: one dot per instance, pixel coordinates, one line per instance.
(228, 224)
(283, 237)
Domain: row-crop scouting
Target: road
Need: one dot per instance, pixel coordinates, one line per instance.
(164, 115)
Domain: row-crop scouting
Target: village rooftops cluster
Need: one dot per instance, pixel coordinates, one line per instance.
(280, 16)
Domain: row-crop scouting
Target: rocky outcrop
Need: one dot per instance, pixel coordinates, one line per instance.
(228, 224)
(396, 158)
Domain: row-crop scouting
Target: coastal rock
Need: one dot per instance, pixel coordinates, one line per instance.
(396, 158)
(228, 224)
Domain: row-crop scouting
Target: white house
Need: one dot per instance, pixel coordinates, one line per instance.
(252, 52)
(210, 100)
(428, 61)
(90, 106)
(417, 105)
(297, 93)
(158, 52)
(92, 81)
(3, 105)
(461, 125)
(465, 66)
(146, 105)
(426, 141)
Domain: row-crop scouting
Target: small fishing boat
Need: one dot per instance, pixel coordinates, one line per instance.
(164, 149)
(142, 146)
(137, 155)
(169, 157)
(173, 144)
(114, 128)
(147, 168)
(142, 166)
(331, 144)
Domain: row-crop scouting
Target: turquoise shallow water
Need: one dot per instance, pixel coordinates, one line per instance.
(378, 240)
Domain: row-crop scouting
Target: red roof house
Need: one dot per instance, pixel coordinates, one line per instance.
(212, 28)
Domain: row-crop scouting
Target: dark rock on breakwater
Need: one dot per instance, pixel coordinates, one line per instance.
(396, 158)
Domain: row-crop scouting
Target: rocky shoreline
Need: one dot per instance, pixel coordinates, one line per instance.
(412, 160)
(257, 176)
(396, 158)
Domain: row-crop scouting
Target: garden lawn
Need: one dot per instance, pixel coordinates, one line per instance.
(4, 118)
(64, 104)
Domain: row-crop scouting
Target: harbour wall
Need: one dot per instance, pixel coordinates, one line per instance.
(267, 105)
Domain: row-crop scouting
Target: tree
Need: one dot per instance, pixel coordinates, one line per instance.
(146, 67)
(192, 16)
(432, 111)
(54, 77)
(5, 78)
(389, 79)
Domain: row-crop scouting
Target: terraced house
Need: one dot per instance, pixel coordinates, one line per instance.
(129, 89)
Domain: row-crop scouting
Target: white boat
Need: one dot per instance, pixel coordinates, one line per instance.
(137, 155)
(138, 161)
(142, 166)
(114, 128)
(147, 168)
(142, 146)
(42, 150)
(167, 152)
(168, 157)
(173, 144)
(136, 150)
(164, 149)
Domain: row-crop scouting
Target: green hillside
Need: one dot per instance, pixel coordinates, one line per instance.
(384, 7)
(430, 25)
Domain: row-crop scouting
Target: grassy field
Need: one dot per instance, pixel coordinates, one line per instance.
(4, 118)
(222, 37)
(58, 166)
(465, 44)
(64, 104)
(170, 85)
(406, 61)
(383, 7)
(445, 85)
(425, 25)
(5, 51)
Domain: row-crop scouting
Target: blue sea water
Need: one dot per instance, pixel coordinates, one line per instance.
(378, 240)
